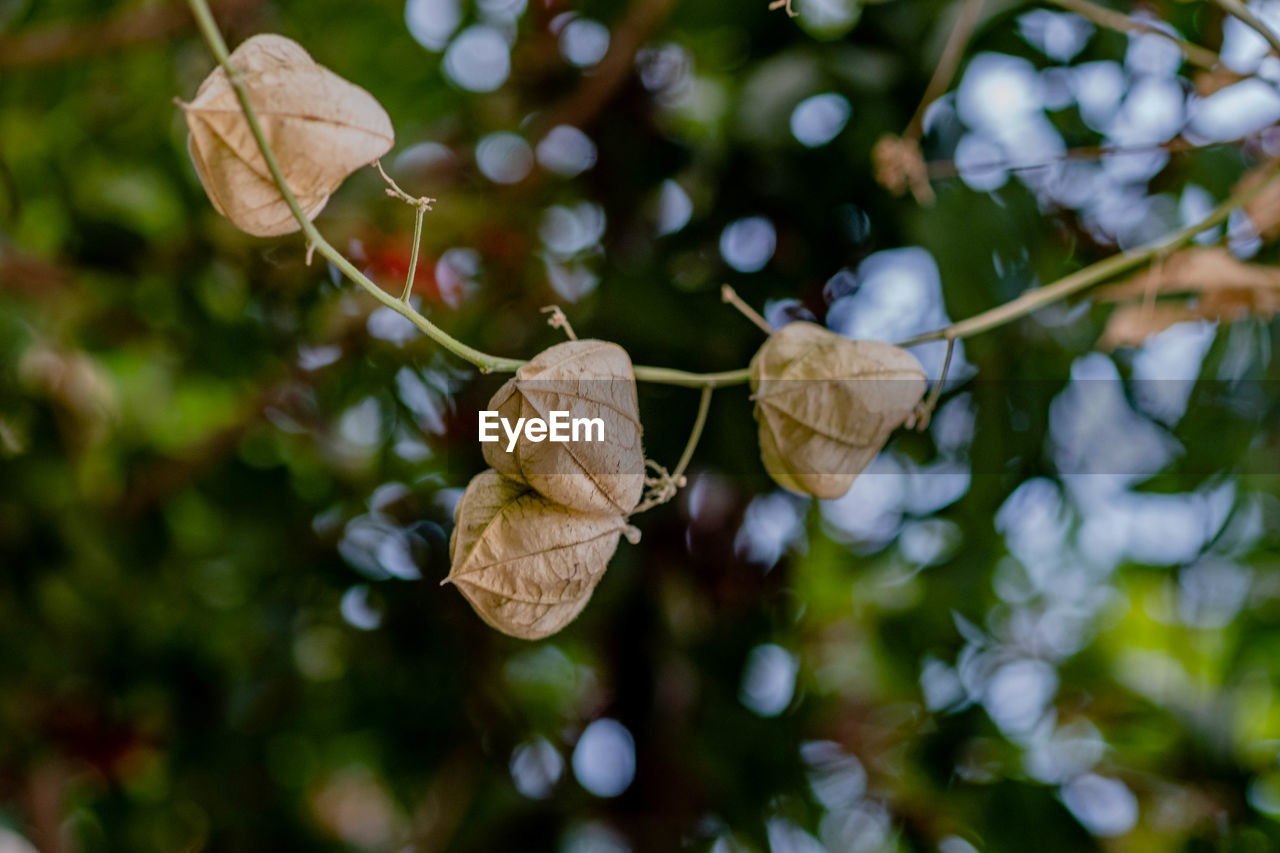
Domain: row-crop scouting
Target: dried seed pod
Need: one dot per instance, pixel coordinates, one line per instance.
(527, 564)
(588, 379)
(321, 128)
(826, 405)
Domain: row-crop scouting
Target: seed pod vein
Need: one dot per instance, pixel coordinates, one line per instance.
(526, 564)
(826, 405)
(320, 126)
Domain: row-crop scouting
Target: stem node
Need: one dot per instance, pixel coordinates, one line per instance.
(558, 320)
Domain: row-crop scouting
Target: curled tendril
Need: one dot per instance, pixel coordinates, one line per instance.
(660, 488)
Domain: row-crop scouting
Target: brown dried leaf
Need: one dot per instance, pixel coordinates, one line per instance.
(1196, 270)
(1131, 324)
(588, 379)
(1221, 287)
(526, 564)
(826, 405)
(1264, 209)
(1230, 303)
(321, 128)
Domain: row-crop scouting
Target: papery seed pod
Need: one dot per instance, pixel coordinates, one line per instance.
(321, 128)
(587, 379)
(826, 405)
(526, 564)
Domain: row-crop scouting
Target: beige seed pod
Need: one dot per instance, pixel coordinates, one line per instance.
(526, 564)
(587, 379)
(321, 128)
(826, 405)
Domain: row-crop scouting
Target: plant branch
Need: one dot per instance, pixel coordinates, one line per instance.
(558, 320)
(729, 295)
(55, 43)
(1241, 11)
(486, 362)
(704, 405)
(938, 169)
(419, 212)
(947, 64)
(1091, 275)
(1120, 22)
(664, 486)
(920, 418)
(420, 205)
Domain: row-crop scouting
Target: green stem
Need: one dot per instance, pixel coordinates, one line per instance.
(671, 376)
(1092, 275)
(947, 64)
(1120, 22)
(413, 256)
(484, 361)
(704, 404)
(730, 296)
(926, 411)
(667, 486)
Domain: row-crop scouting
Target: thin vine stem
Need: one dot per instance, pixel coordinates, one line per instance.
(1016, 308)
(558, 320)
(1246, 16)
(1092, 275)
(924, 413)
(418, 215)
(420, 205)
(213, 36)
(704, 405)
(938, 169)
(486, 362)
(947, 64)
(1120, 22)
(731, 297)
(666, 486)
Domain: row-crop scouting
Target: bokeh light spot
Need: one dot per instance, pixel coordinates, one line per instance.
(478, 60)
(604, 761)
(504, 158)
(817, 120)
(748, 244)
